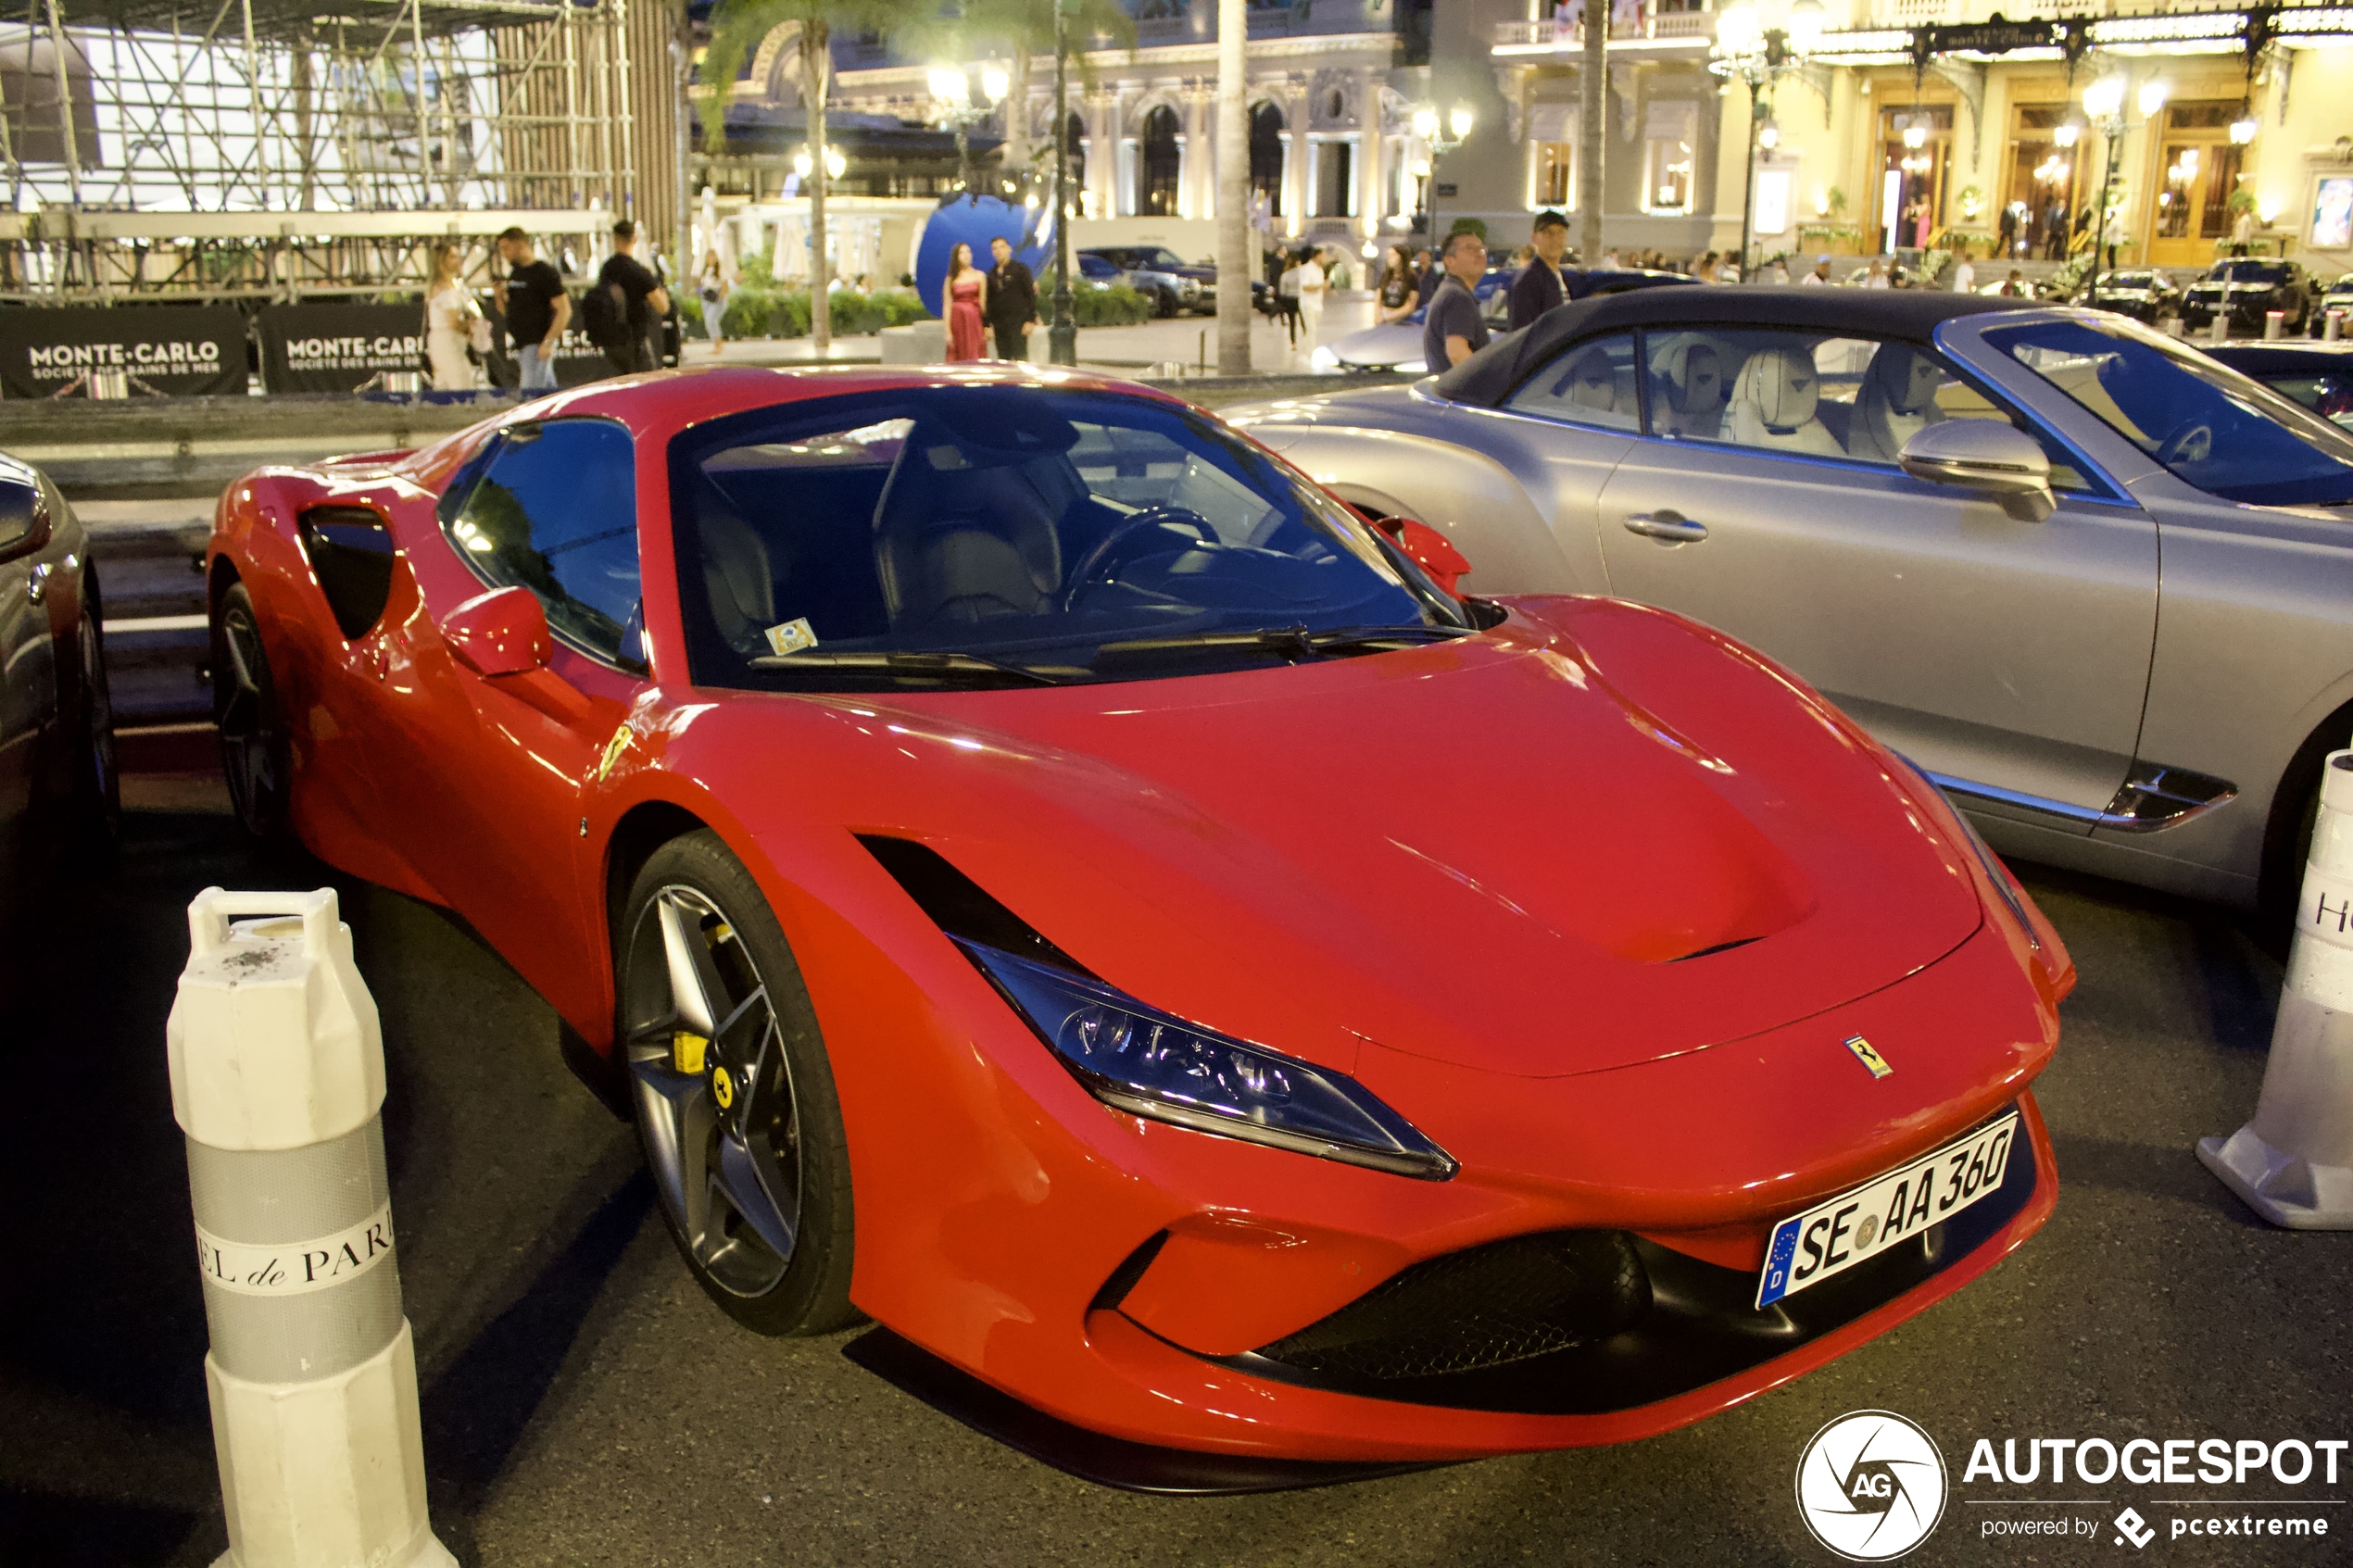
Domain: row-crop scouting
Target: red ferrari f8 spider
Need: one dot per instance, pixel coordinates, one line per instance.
(1047, 878)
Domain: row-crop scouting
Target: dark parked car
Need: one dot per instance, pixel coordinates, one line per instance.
(2319, 375)
(57, 725)
(2338, 297)
(1163, 276)
(2145, 294)
(2245, 290)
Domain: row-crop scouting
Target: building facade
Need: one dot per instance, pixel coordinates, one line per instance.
(1918, 123)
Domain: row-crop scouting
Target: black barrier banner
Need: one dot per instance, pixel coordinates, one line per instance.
(338, 347)
(172, 350)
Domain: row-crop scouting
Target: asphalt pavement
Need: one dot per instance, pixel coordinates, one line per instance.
(583, 1403)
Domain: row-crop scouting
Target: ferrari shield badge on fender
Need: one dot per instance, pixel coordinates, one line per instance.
(1868, 1054)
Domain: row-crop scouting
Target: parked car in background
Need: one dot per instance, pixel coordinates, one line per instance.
(2338, 296)
(2145, 293)
(2319, 375)
(58, 783)
(2245, 290)
(1173, 285)
(1944, 512)
(1397, 345)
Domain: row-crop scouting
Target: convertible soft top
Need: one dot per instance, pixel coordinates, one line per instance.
(1488, 377)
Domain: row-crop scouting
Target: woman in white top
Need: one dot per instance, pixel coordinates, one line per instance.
(449, 315)
(715, 287)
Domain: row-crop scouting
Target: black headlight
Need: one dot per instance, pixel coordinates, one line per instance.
(1152, 1064)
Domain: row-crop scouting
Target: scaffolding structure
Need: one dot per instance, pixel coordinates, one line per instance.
(288, 150)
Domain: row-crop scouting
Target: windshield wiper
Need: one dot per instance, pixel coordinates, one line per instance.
(1290, 642)
(957, 668)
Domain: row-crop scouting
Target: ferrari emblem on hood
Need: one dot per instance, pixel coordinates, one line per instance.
(1868, 1054)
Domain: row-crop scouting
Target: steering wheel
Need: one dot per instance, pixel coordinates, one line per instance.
(1099, 562)
(2191, 441)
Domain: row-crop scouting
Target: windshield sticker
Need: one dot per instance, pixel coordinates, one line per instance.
(792, 636)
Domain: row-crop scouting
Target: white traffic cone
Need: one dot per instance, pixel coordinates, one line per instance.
(2294, 1163)
(278, 1079)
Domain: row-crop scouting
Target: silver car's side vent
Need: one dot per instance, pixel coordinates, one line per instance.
(2155, 797)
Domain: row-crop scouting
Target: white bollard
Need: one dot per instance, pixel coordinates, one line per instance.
(2294, 1163)
(2274, 325)
(2332, 326)
(2219, 329)
(277, 1079)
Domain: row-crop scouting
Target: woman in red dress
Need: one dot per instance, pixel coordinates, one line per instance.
(968, 292)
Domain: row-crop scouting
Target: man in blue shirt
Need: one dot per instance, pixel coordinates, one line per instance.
(1452, 330)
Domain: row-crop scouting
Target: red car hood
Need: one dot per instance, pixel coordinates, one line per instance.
(1578, 842)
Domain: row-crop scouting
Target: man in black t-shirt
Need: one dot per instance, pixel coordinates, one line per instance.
(537, 307)
(1452, 330)
(644, 301)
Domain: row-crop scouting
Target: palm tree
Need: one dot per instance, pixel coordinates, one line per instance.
(737, 28)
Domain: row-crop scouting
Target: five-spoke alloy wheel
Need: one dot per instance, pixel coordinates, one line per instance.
(734, 1096)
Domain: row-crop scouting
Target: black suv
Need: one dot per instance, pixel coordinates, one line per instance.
(2244, 289)
(1172, 283)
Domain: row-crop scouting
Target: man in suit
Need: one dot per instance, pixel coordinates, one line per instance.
(1539, 286)
(1013, 301)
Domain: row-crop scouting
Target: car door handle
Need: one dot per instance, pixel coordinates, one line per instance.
(1665, 527)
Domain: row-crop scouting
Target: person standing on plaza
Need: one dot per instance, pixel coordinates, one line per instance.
(1539, 286)
(1287, 294)
(1013, 301)
(537, 306)
(1821, 272)
(1311, 297)
(1453, 329)
(1964, 275)
(636, 301)
(714, 286)
(966, 295)
(1399, 292)
(450, 313)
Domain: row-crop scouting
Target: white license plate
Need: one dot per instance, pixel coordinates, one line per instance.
(1860, 1223)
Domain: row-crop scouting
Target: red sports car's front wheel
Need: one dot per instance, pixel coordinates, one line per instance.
(734, 1096)
(254, 750)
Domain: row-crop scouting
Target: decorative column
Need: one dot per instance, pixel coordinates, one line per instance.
(1201, 148)
(1297, 149)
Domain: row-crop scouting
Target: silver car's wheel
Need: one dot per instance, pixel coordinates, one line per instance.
(734, 1099)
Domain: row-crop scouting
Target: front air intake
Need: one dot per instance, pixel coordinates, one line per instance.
(1485, 1307)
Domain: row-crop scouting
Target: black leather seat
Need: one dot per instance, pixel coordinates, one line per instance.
(964, 534)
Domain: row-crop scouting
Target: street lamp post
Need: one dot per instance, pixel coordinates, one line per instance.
(2104, 107)
(1760, 55)
(1434, 135)
(952, 91)
(1062, 333)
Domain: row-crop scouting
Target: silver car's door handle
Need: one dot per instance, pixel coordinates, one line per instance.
(1665, 527)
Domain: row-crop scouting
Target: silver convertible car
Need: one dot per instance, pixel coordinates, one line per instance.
(2095, 584)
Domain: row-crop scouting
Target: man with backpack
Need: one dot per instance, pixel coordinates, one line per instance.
(622, 309)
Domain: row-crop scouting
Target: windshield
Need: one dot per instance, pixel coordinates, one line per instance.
(2229, 435)
(1160, 260)
(970, 534)
(2247, 272)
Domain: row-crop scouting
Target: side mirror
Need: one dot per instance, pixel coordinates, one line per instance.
(1424, 545)
(24, 518)
(1434, 553)
(1986, 456)
(501, 633)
